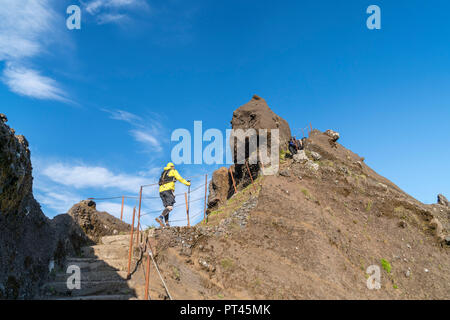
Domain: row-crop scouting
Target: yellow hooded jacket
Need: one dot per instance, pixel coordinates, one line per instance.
(171, 185)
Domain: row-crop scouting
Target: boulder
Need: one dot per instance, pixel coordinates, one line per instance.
(447, 240)
(442, 200)
(333, 135)
(312, 166)
(3, 118)
(257, 115)
(300, 157)
(96, 224)
(316, 156)
(285, 173)
(436, 225)
(219, 188)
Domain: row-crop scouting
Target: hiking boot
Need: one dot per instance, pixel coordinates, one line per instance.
(167, 225)
(160, 222)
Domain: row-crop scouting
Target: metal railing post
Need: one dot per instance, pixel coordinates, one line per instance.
(147, 277)
(139, 216)
(250, 174)
(232, 178)
(187, 208)
(121, 210)
(131, 243)
(206, 189)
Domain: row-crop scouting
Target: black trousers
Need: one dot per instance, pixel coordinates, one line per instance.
(168, 200)
(292, 150)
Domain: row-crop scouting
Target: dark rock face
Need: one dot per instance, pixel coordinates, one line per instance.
(257, 115)
(26, 238)
(442, 200)
(95, 224)
(29, 241)
(220, 188)
(333, 135)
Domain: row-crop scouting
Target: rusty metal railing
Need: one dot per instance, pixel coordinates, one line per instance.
(144, 245)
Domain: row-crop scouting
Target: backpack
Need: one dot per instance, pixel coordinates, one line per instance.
(165, 178)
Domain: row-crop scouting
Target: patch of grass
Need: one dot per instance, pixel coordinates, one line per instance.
(395, 286)
(215, 212)
(227, 263)
(386, 265)
(307, 194)
(283, 154)
(220, 296)
(176, 273)
(369, 205)
(326, 162)
(399, 209)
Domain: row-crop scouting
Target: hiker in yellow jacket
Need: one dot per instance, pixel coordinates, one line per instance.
(167, 191)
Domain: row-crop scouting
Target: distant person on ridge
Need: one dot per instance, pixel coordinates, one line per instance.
(293, 146)
(300, 144)
(167, 191)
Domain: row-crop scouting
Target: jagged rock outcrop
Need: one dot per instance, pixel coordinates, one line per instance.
(442, 200)
(333, 135)
(26, 237)
(96, 224)
(29, 241)
(220, 188)
(257, 115)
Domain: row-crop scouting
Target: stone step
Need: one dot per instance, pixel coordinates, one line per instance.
(88, 288)
(101, 297)
(94, 264)
(105, 252)
(121, 239)
(104, 275)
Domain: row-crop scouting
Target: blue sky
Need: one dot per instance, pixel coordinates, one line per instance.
(98, 105)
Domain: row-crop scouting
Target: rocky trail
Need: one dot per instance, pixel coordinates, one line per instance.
(103, 270)
(312, 230)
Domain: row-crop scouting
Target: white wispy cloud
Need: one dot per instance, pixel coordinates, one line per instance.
(95, 6)
(27, 28)
(147, 138)
(58, 185)
(148, 131)
(27, 82)
(78, 176)
(124, 116)
(114, 11)
(105, 18)
(55, 198)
